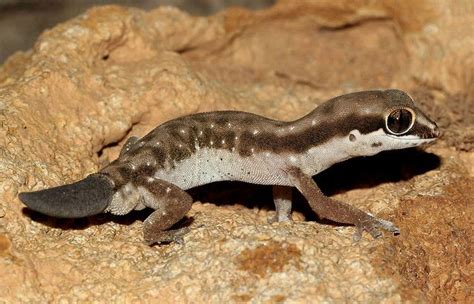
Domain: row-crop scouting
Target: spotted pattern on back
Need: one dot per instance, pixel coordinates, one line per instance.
(245, 135)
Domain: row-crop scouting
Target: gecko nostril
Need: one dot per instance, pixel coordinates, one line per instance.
(436, 131)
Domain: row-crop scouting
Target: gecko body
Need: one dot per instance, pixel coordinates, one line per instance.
(154, 171)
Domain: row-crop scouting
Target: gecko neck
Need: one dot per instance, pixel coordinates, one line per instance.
(313, 130)
(327, 136)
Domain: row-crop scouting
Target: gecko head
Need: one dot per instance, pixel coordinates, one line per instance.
(84, 198)
(374, 121)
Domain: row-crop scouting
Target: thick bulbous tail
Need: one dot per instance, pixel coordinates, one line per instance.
(84, 198)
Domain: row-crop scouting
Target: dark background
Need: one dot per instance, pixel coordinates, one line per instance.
(21, 21)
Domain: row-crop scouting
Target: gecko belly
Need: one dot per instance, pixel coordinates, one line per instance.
(211, 165)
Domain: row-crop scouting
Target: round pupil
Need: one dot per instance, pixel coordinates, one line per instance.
(399, 121)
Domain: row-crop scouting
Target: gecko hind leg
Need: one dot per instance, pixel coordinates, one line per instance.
(282, 196)
(171, 204)
(338, 211)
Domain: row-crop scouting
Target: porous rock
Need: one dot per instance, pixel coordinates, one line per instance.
(68, 104)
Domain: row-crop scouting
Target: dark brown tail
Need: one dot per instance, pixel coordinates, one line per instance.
(86, 197)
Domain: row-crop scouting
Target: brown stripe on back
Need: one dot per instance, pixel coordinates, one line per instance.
(247, 133)
(305, 139)
(208, 130)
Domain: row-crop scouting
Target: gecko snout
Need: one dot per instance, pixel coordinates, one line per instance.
(436, 131)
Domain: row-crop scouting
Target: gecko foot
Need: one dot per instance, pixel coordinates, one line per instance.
(279, 218)
(164, 237)
(373, 226)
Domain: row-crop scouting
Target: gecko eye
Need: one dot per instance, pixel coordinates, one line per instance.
(399, 121)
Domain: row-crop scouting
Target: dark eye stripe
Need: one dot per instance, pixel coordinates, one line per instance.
(399, 121)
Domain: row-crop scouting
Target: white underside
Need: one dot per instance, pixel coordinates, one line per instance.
(211, 165)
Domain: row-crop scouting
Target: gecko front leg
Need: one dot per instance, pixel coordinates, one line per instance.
(282, 198)
(171, 204)
(338, 211)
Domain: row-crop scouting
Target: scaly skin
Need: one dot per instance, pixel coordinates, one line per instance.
(193, 150)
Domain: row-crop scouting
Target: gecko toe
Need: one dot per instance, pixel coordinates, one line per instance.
(374, 226)
(166, 237)
(388, 226)
(375, 233)
(357, 235)
(278, 219)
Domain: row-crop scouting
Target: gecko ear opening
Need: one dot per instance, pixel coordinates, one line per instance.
(84, 198)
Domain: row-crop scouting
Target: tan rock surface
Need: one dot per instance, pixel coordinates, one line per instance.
(67, 105)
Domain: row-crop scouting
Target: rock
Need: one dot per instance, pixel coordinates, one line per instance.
(68, 105)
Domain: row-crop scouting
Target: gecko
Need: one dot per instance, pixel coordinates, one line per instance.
(156, 170)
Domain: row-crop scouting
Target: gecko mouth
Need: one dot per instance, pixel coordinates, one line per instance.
(427, 141)
(423, 137)
(414, 138)
(432, 134)
(86, 197)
